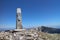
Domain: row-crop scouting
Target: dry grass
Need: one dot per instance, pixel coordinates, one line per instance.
(47, 36)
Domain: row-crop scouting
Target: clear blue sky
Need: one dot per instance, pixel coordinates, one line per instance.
(34, 12)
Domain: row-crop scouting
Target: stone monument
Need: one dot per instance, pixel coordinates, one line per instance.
(18, 19)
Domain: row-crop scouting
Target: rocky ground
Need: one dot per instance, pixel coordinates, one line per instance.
(41, 35)
(48, 36)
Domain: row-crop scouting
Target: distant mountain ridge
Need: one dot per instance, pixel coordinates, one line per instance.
(46, 29)
(41, 28)
(49, 29)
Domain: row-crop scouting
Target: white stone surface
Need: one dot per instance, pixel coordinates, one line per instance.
(18, 10)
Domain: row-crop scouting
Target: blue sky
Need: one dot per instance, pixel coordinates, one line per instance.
(34, 12)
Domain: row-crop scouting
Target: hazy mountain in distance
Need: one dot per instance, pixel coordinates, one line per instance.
(49, 29)
(46, 29)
